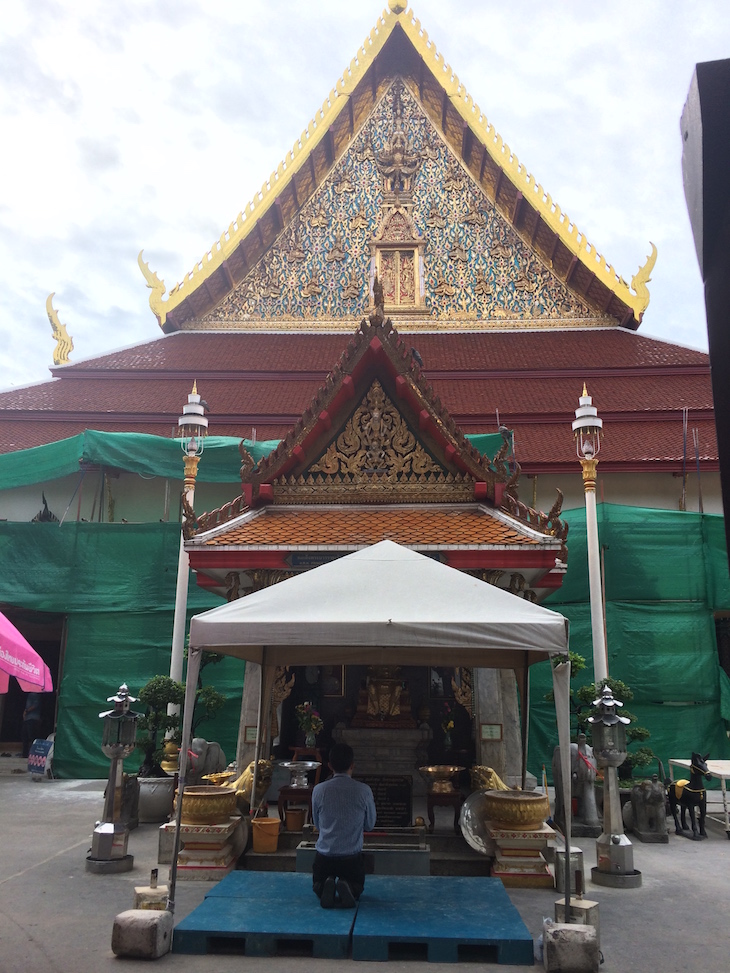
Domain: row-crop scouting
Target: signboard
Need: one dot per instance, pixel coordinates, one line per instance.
(393, 799)
(39, 757)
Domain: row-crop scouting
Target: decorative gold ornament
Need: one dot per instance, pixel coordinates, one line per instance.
(483, 778)
(190, 521)
(641, 278)
(376, 441)
(157, 286)
(588, 467)
(462, 690)
(64, 342)
(280, 691)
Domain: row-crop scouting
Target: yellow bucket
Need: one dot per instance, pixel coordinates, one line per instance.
(295, 819)
(265, 834)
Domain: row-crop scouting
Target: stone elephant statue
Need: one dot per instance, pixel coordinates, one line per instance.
(646, 815)
(583, 774)
(205, 758)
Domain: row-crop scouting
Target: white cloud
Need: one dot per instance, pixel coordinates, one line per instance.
(151, 125)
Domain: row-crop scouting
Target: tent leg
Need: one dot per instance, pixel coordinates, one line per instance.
(525, 720)
(191, 686)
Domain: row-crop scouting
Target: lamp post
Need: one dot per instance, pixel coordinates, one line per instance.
(614, 851)
(111, 834)
(587, 431)
(193, 428)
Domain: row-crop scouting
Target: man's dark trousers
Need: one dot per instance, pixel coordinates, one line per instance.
(351, 868)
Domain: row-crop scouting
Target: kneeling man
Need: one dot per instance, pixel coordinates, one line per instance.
(342, 809)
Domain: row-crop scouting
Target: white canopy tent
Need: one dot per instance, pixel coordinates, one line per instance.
(383, 605)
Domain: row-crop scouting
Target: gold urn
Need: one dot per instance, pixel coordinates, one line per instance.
(208, 804)
(515, 810)
(440, 778)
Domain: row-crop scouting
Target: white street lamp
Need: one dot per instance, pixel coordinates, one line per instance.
(193, 428)
(587, 431)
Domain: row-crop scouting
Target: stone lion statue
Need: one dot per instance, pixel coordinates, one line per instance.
(244, 784)
(486, 779)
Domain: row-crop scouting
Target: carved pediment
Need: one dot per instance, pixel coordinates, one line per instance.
(376, 458)
(376, 441)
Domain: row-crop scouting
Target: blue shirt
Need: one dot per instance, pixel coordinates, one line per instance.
(342, 809)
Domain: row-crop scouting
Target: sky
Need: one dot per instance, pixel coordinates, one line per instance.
(150, 124)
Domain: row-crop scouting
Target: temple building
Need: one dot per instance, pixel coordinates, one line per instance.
(396, 330)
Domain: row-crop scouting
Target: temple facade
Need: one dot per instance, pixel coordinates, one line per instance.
(397, 328)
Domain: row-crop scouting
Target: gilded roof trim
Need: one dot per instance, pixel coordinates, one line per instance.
(532, 191)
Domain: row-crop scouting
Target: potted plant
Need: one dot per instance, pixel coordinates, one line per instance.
(156, 787)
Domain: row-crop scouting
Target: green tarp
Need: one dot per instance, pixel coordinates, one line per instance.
(116, 584)
(665, 574)
(148, 455)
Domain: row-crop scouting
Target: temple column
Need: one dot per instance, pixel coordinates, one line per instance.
(496, 702)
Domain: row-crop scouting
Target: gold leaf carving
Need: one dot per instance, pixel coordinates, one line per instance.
(64, 342)
(376, 442)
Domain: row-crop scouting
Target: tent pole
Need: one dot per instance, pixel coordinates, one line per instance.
(191, 685)
(561, 690)
(259, 731)
(525, 728)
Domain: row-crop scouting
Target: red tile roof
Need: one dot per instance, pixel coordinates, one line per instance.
(266, 381)
(415, 526)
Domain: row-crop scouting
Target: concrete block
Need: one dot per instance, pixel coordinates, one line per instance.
(142, 933)
(569, 948)
(583, 911)
(150, 897)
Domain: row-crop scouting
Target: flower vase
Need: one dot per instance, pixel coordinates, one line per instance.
(310, 740)
(447, 740)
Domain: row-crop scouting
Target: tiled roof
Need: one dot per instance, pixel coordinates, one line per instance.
(266, 381)
(443, 351)
(416, 526)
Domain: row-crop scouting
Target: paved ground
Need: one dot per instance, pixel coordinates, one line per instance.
(57, 918)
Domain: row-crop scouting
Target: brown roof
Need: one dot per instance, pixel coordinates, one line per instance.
(266, 381)
(415, 526)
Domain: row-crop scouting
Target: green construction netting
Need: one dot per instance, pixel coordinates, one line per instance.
(148, 455)
(116, 584)
(665, 574)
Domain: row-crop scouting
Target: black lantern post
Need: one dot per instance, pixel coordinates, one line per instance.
(111, 834)
(614, 850)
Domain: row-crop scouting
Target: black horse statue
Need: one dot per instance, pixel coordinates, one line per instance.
(688, 795)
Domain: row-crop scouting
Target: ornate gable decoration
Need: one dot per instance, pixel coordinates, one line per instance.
(375, 432)
(399, 203)
(397, 45)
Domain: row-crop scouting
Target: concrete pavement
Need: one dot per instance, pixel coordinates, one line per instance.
(57, 918)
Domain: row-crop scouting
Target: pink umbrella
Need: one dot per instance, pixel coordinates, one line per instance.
(18, 659)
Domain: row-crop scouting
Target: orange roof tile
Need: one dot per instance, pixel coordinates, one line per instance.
(414, 526)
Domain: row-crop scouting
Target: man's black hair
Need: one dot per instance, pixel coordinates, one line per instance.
(341, 757)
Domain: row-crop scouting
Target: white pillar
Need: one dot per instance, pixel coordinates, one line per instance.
(600, 661)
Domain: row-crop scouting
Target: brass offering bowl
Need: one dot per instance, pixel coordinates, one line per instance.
(440, 777)
(515, 810)
(220, 778)
(208, 804)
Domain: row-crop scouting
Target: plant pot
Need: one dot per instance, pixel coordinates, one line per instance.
(155, 799)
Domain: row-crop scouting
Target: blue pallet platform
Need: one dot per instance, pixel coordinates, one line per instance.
(265, 914)
(435, 918)
(439, 919)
